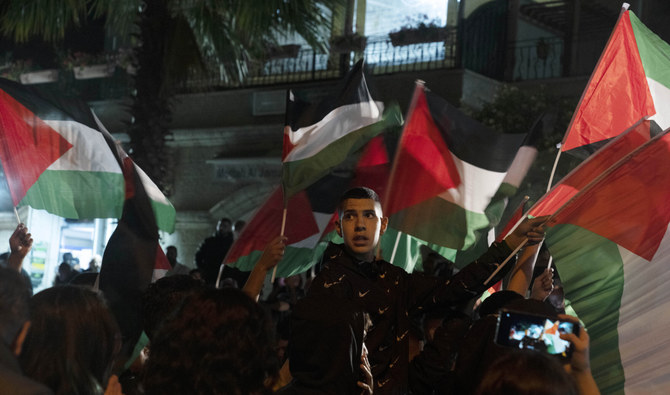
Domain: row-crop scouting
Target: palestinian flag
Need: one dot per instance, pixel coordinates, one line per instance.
(131, 258)
(593, 167)
(58, 157)
(631, 80)
(495, 210)
(611, 246)
(447, 169)
(319, 136)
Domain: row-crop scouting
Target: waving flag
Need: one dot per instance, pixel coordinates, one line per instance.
(611, 246)
(593, 167)
(59, 158)
(447, 169)
(132, 256)
(319, 136)
(308, 213)
(631, 80)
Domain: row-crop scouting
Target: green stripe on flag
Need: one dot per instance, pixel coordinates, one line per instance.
(591, 269)
(165, 214)
(441, 222)
(77, 194)
(296, 260)
(654, 52)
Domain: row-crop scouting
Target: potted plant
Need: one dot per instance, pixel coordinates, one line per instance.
(12, 69)
(347, 43)
(25, 72)
(87, 66)
(418, 30)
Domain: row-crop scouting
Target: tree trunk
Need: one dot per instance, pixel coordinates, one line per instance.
(151, 104)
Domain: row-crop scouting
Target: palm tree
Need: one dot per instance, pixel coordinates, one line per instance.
(173, 36)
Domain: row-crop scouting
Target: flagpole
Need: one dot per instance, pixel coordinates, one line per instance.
(281, 233)
(16, 212)
(553, 169)
(395, 246)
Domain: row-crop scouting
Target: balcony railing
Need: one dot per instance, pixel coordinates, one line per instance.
(381, 57)
(538, 59)
(533, 59)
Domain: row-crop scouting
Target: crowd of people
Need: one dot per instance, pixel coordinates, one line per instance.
(357, 325)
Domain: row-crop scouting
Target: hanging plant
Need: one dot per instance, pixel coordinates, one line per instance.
(87, 65)
(12, 70)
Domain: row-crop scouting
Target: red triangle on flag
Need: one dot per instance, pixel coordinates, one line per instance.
(162, 262)
(423, 167)
(28, 146)
(266, 224)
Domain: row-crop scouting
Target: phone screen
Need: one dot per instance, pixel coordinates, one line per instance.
(533, 332)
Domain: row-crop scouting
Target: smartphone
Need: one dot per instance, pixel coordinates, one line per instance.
(534, 332)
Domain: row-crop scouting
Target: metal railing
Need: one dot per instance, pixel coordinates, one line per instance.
(381, 55)
(533, 59)
(538, 59)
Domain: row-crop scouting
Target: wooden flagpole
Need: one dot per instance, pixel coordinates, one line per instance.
(281, 233)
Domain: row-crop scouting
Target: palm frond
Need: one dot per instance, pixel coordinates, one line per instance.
(48, 19)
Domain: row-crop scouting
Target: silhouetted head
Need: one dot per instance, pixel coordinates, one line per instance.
(72, 341)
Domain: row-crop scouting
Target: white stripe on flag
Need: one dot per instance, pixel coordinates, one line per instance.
(338, 123)
(476, 189)
(661, 95)
(322, 221)
(89, 151)
(644, 319)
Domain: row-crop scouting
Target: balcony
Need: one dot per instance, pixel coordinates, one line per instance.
(381, 55)
(532, 60)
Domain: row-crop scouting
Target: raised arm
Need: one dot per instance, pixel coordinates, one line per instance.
(522, 273)
(272, 254)
(20, 243)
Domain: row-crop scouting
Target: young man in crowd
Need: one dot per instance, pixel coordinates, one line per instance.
(352, 274)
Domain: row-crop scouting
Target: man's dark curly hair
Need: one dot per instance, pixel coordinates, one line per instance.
(220, 341)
